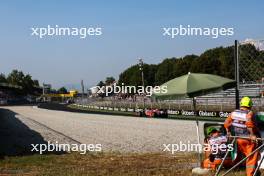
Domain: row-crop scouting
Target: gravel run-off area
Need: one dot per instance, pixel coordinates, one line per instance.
(114, 133)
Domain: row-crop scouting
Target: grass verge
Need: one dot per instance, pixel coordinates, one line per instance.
(114, 164)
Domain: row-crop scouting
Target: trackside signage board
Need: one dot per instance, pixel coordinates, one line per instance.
(199, 113)
(182, 112)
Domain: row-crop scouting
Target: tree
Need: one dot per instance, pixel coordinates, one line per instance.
(109, 80)
(27, 84)
(149, 71)
(183, 66)
(62, 90)
(36, 83)
(219, 61)
(18, 78)
(101, 84)
(3, 78)
(165, 71)
(131, 76)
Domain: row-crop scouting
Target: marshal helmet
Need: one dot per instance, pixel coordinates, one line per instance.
(246, 102)
(209, 130)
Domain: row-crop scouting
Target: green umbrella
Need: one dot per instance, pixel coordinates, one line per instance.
(194, 84)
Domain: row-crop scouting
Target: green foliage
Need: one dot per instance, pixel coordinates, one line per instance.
(18, 78)
(36, 83)
(218, 61)
(132, 76)
(165, 71)
(251, 63)
(3, 78)
(149, 71)
(62, 90)
(101, 84)
(109, 80)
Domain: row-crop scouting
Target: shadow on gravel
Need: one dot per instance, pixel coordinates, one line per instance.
(15, 137)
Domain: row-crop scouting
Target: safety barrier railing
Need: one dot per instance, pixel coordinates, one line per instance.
(241, 161)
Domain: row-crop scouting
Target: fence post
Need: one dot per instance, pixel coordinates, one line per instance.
(236, 59)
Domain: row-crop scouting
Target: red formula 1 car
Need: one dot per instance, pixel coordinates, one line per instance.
(156, 113)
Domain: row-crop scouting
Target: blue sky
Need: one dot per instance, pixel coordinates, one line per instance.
(131, 29)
